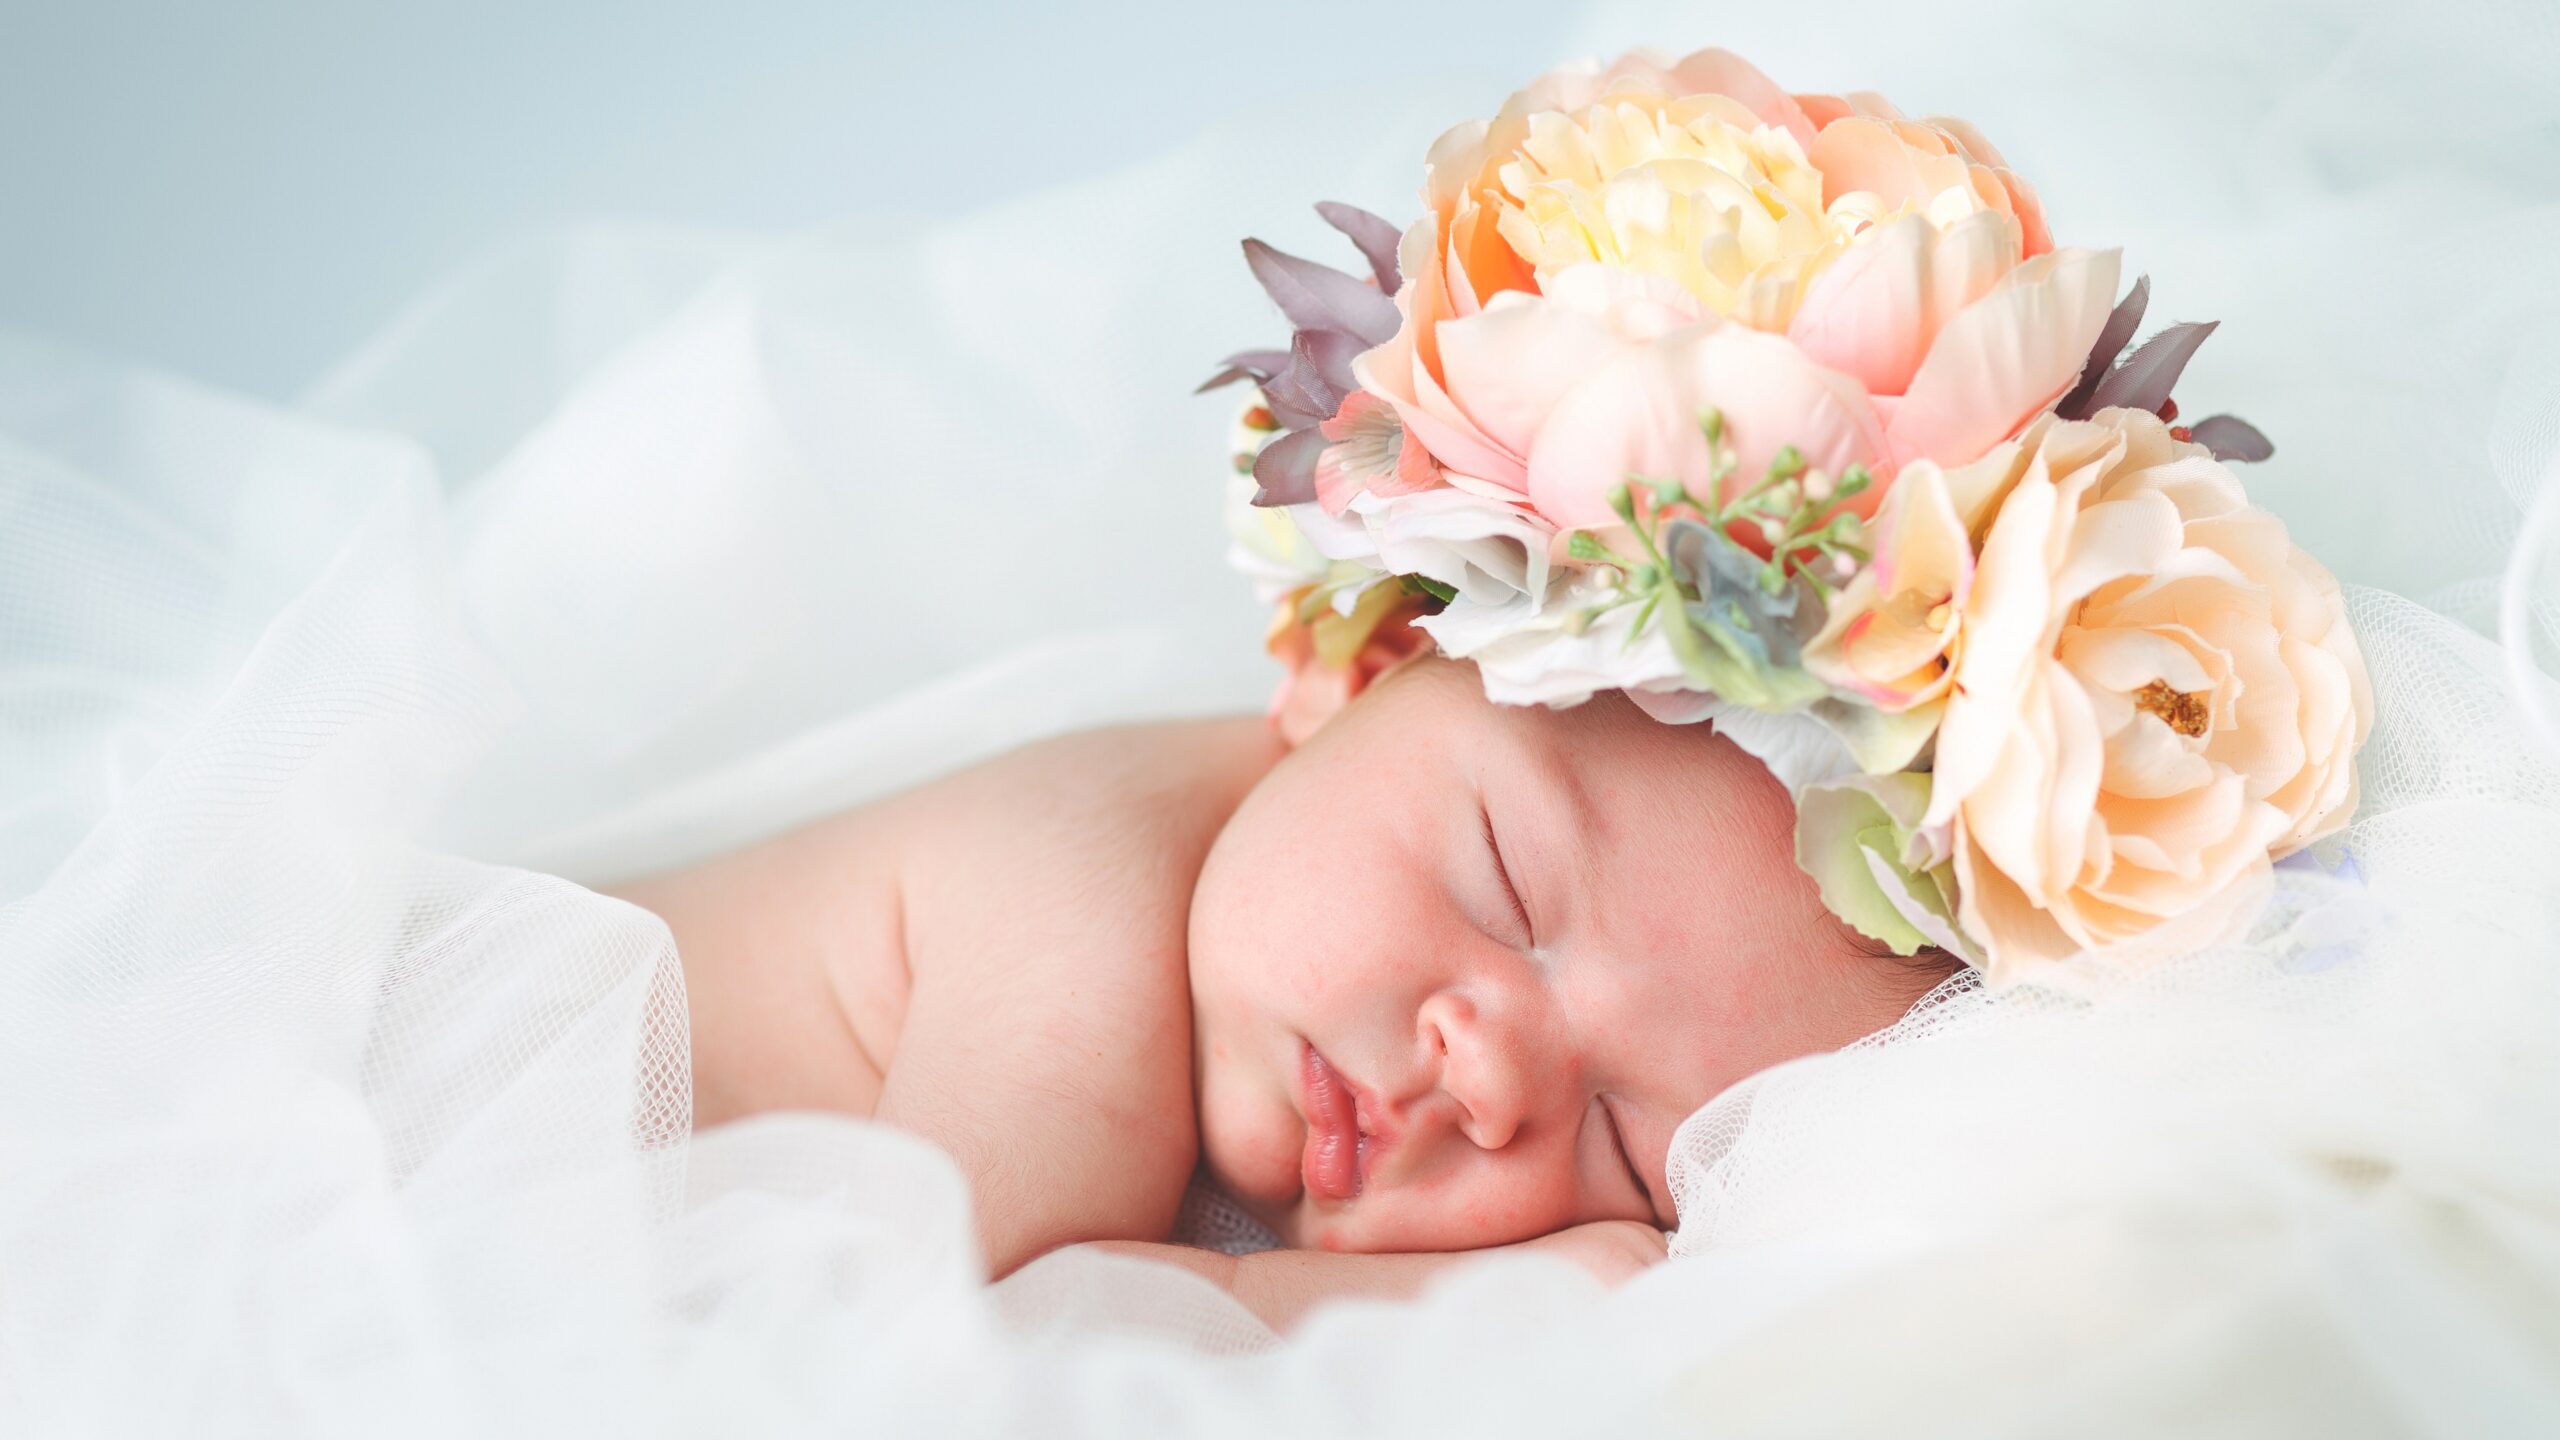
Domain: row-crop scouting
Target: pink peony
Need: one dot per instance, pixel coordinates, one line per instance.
(1909, 305)
(1367, 451)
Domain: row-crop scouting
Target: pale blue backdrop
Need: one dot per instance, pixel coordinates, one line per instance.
(240, 190)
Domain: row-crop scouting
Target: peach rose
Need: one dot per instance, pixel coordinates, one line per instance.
(1902, 255)
(1331, 654)
(1893, 634)
(2156, 693)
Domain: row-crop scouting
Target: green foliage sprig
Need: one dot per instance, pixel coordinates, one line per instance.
(1742, 646)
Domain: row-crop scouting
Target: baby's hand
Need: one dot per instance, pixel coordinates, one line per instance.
(1613, 1250)
(1281, 1286)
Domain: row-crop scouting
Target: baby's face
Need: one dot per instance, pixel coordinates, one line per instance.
(1459, 970)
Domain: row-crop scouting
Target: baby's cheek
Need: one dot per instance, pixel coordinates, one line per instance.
(1493, 1205)
(1503, 1221)
(1249, 1144)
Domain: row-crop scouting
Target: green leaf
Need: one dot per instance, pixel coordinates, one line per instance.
(1716, 658)
(1586, 546)
(1644, 613)
(1425, 585)
(1881, 742)
(1855, 839)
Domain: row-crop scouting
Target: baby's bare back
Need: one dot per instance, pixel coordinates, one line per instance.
(994, 960)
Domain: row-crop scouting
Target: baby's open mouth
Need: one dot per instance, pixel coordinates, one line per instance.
(1336, 1160)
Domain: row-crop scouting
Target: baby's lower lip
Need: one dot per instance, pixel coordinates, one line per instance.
(1332, 1165)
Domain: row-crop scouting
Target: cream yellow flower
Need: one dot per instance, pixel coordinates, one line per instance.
(1695, 189)
(1702, 172)
(2156, 695)
(1825, 270)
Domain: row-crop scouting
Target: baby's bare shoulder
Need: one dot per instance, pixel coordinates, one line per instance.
(1160, 782)
(1099, 831)
(1048, 1040)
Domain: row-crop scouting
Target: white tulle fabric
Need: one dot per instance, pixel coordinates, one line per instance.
(629, 546)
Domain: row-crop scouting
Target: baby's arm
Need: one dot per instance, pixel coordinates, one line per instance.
(1047, 1046)
(1281, 1286)
(993, 960)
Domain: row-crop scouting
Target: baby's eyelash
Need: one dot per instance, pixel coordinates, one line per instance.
(1510, 891)
(1618, 1138)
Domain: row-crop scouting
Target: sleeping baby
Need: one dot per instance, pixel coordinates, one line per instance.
(1442, 979)
(1446, 976)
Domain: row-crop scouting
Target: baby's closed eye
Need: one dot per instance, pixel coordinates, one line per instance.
(1511, 919)
(1612, 1179)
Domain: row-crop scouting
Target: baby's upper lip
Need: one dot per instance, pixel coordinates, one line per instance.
(1377, 1130)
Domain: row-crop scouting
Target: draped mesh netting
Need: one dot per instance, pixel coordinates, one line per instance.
(331, 1101)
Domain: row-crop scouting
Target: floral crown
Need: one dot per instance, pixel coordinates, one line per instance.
(1786, 412)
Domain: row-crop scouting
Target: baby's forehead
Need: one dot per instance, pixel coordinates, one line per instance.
(1439, 701)
(1620, 779)
(1602, 772)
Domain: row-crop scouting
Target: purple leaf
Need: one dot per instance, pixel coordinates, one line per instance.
(1299, 395)
(2122, 321)
(1310, 388)
(2146, 377)
(1374, 234)
(1317, 297)
(1286, 468)
(2231, 438)
(1330, 352)
(1254, 365)
(1292, 406)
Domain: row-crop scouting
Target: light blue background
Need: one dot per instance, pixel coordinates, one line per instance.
(239, 192)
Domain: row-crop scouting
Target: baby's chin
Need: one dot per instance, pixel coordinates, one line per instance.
(1259, 1169)
(1275, 1195)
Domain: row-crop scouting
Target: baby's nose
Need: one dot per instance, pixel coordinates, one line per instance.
(1487, 1064)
